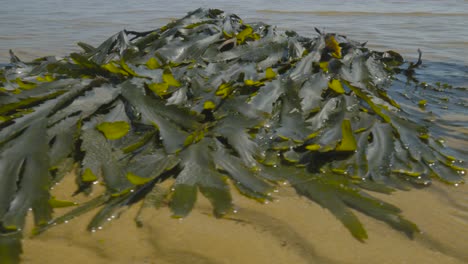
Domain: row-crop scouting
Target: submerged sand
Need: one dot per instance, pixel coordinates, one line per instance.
(290, 230)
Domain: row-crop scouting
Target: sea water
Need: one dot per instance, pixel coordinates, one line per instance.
(292, 229)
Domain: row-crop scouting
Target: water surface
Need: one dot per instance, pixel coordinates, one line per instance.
(52, 27)
(293, 229)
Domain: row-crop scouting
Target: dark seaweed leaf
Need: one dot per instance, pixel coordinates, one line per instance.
(10, 247)
(336, 193)
(101, 160)
(326, 196)
(198, 170)
(25, 178)
(81, 209)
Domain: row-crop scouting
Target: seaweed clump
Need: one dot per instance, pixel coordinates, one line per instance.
(210, 101)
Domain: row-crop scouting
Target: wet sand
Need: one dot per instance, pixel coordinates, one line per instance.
(289, 230)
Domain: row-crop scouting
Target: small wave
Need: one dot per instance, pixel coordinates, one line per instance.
(361, 13)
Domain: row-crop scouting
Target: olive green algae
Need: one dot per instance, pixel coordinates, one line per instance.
(210, 103)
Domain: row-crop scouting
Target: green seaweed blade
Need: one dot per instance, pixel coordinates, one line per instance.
(208, 102)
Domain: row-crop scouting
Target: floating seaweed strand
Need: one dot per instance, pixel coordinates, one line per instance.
(210, 101)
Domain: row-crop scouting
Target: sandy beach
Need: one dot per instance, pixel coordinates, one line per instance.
(288, 230)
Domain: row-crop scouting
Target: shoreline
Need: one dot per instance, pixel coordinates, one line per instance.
(290, 229)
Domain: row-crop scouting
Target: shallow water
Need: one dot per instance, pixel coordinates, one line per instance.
(52, 27)
(292, 229)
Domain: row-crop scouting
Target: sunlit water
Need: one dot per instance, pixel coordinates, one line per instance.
(293, 230)
(32, 28)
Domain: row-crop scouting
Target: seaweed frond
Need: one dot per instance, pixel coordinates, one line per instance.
(209, 102)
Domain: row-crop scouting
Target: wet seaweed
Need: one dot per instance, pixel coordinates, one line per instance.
(210, 102)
